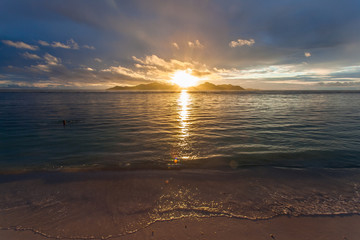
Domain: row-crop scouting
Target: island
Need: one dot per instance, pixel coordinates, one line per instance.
(156, 86)
(212, 87)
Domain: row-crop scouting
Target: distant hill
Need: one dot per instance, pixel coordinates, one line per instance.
(151, 86)
(168, 87)
(212, 87)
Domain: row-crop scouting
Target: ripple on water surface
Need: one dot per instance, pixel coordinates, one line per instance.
(200, 130)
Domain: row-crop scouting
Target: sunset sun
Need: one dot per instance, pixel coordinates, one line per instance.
(184, 79)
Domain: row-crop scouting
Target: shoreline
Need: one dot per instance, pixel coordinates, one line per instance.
(281, 227)
(103, 203)
(166, 168)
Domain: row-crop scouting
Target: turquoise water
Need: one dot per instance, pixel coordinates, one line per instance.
(219, 130)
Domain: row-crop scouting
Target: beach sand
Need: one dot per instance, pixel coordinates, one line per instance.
(245, 204)
(280, 228)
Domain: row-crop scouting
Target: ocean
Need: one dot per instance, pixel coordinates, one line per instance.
(217, 130)
(134, 158)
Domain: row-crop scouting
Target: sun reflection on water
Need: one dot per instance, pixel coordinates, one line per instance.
(184, 101)
(181, 152)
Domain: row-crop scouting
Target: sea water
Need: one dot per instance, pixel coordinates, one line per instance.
(169, 155)
(179, 129)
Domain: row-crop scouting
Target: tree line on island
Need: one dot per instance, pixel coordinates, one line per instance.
(156, 86)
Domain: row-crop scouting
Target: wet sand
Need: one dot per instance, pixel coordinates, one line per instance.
(153, 204)
(280, 228)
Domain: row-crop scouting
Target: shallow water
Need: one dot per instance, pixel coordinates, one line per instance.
(84, 205)
(179, 130)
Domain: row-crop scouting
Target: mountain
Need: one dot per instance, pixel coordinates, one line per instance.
(151, 86)
(156, 86)
(212, 87)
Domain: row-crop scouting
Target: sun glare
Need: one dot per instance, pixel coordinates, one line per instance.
(184, 79)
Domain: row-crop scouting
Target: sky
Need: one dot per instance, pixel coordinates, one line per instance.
(262, 44)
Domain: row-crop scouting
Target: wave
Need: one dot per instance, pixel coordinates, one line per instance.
(106, 203)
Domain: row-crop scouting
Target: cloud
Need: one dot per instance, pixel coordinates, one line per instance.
(197, 73)
(242, 42)
(61, 45)
(70, 44)
(125, 72)
(279, 73)
(21, 45)
(52, 73)
(50, 62)
(175, 45)
(89, 47)
(43, 43)
(5, 82)
(307, 54)
(98, 60)
(151, 60)
(195, 44)
(348, 72)
(154, 68)
(155, 65)
(339, 84)
(30, 56)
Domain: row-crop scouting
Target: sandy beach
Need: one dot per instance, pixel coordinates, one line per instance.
(187, 204)
(295, 228)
